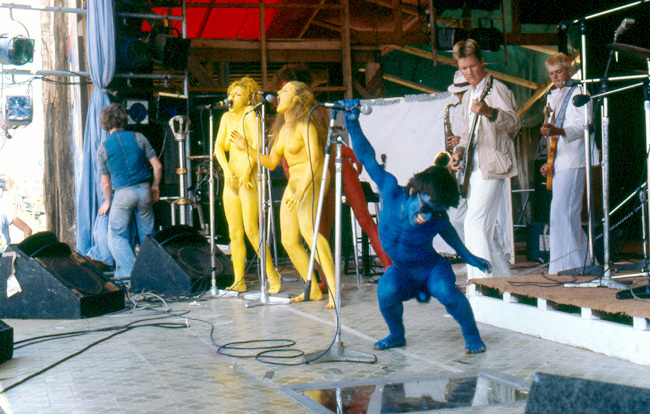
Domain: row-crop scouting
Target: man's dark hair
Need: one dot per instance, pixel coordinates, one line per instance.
(113, 116)
(293, 72)
(437, 182)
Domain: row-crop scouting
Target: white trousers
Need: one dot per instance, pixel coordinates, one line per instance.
(567, 238)
(481, 235)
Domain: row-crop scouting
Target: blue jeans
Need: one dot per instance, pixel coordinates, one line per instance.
(128, 201)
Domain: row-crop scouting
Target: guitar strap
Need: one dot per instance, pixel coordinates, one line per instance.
(559, 120)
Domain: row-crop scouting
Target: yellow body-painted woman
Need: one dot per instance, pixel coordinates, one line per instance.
(240, 189)
(302, 145)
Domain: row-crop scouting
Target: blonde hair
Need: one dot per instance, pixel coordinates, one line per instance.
(559, 59)
(467, 48)
(248, 86)
(299, 112)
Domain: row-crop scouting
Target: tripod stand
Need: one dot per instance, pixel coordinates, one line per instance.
(336, 352)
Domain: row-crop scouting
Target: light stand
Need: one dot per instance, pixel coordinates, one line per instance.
(336, 352)
(180, 127)
(263, 298)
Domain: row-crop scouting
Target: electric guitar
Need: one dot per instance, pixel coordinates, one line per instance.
(549, 116)
(462, 176)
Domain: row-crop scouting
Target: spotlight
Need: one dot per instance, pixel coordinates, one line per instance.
(171, 51)
(16, 50)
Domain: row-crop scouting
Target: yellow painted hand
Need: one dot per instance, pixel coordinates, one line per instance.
(293, 201)
(238, 139)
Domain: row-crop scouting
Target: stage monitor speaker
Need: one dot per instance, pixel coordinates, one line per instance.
(6, 342)
(176, 261)
(553, 394)
(538, 244)
(52, 282)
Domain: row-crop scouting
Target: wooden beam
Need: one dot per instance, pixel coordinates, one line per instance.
(539, 93)
(346, 51)
(406, 8)
(397, 18)
(448, 61)
(199, 72)
(263, 55)
(267, 5)
(542, 39)
(271, 44)
(549, 50)
(310, 20)
(409, 84)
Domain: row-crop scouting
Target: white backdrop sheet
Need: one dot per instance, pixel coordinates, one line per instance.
(410, 132)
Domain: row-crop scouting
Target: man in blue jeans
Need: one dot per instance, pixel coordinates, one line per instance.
(122, 161)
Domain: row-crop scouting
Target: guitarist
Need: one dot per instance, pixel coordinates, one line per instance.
(568, 240)
(493, 160)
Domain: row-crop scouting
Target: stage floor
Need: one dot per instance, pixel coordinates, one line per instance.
(174, 368)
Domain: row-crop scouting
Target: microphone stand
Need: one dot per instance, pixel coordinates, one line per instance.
(643, 266)
(213, 259)
(593, 269)
(336, 352)
(263, 298)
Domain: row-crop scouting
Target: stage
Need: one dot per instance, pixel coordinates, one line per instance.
(585, 317)
(175, 367)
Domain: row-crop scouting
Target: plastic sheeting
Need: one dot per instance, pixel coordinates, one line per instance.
(409, 131)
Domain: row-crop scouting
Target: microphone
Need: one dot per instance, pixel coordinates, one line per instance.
(221, 104)
(268, 98)
(571, 82)
(628, 21)
(363, 108)
(580, 100)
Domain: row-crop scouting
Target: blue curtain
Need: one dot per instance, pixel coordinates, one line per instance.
(92, 230)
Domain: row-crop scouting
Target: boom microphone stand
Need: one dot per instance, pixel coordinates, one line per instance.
(593, 269)
(336, 352)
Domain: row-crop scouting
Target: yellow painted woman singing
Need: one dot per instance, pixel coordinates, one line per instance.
(302, 144)
(239, 170)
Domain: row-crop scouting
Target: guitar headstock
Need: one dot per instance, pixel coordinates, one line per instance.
(548, 111)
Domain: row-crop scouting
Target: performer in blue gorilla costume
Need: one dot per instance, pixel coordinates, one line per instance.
(410, 218)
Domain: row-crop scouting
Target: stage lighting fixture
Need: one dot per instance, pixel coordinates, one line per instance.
(16, 50)
(171, 51)
(447, 37)
(132, 55)
(138, 111)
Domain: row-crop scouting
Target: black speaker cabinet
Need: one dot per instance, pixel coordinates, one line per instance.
(176, 261)
(6, 342)
(55, 283)
(552, 394)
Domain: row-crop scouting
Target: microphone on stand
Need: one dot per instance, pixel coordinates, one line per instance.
(571, 82)
(267, 99)
(363, 108)
(221, 104)
(628, 21)
(580, 100)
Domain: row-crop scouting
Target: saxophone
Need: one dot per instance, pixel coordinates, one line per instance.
(448, 130)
